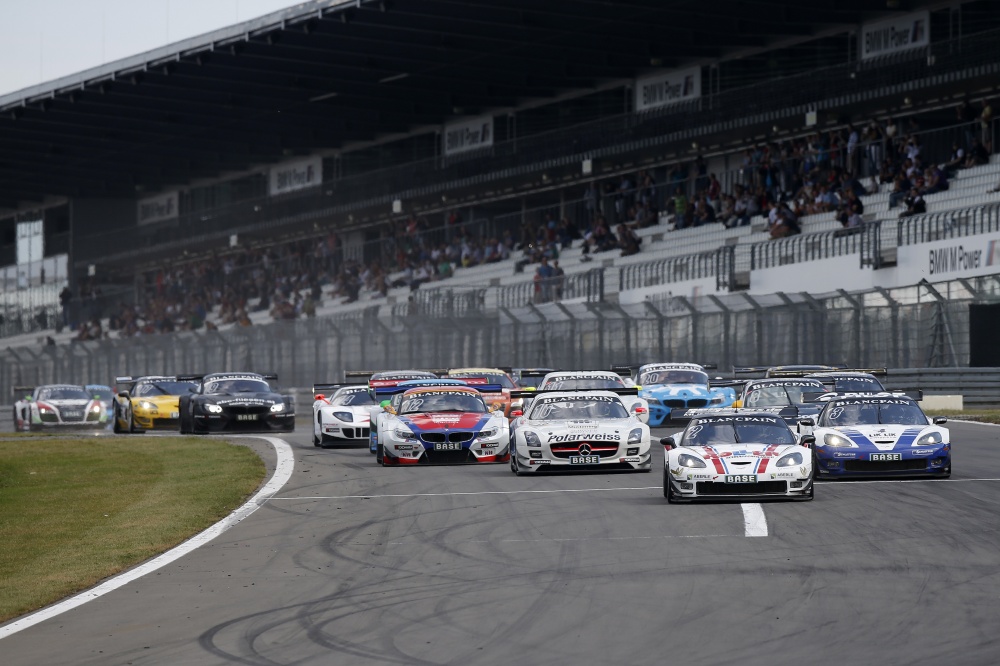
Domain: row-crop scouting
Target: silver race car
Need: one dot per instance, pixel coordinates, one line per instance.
(341, 413)
(58, 407)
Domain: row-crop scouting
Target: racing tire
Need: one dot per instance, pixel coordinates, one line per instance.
(115, 428)
(667, 492)
(379, 457)
(812, 489)
(131, 425)
(317, 442)
(514, 467)
(185, 425)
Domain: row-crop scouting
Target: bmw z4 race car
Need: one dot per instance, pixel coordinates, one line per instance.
(580, 429)
(443, 424)
(149, 403)
(669, 386)
(883, 434)
(57, 407)
(391, 396)
(734, 453)
(341, 413)
(235, 402)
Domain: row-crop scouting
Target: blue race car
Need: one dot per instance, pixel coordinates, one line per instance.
(386, 396)
(669, 386)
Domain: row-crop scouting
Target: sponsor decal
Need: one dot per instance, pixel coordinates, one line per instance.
(293, 176)
(537, 461)
(894, 35)
(593, 437)
(629, 460)
(489, 445)
(576, 397)
(677, 472)
(735, 419)
(922, 452)
(838, 454)
(701, 476)
(404, 447)
(953, 259)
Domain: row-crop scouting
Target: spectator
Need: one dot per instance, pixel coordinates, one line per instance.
(628, 241)
(977, 155)
(558, 280)
(915, 205)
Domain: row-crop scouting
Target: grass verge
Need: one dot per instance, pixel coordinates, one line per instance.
(77, 510)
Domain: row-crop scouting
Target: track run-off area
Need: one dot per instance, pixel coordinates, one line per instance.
(351, 563)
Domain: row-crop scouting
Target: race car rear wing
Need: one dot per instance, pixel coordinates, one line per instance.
(882, 372)
(269, 377)
(816, 396)
(190, 378)
(358, 376)
(535, 394)
(24, 390)
(386, 391)
(325, 388)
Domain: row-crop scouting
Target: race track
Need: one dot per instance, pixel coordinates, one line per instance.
(351, 563)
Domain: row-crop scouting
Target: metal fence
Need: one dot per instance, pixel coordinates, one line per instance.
(920, 326)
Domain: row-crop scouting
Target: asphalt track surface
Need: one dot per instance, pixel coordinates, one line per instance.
(351, 563)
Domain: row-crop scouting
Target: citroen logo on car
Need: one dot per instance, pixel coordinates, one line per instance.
(585, 449)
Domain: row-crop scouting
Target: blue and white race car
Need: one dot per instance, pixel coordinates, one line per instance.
(669, 386)
(880, 434)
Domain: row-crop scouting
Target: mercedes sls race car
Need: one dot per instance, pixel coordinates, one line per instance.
(592, 380)
(57, 407)
(669, 386)
(580, 429)
(149, 403)
(733, 453)
(443, 424)
(883, 434)
(235, 402)
(497, 376)
(340, 413)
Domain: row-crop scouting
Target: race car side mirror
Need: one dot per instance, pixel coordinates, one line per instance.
(515, 413)
(807, 441)
(940, 420)
(319, 396)
(807, 422)
(124, 394)
(668, 442)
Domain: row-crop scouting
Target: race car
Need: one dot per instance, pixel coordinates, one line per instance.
(57, 407)
(880, 434)
(388, 377)
(669, 386)
(788, 395)
(593, 379)
(340, 413)
(526, 378)
(736, 453)
(235, 402)
(391, 396)
(498, 376)
(850, 381)
(774, 371)
(443, 424)
(105, 394)
(149, 403)
(580, 429)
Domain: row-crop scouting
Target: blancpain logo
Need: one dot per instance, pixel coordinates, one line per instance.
(590, 437)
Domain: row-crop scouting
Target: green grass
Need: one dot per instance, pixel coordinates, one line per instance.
(74, 511)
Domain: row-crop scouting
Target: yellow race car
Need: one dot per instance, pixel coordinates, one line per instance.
(148, 403)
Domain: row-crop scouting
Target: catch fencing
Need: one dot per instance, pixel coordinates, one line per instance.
(913, 327)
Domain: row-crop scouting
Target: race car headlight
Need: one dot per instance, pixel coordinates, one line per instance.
(344, 416)
(686, 460)
(97, 409)
(833, 439)
(718, 400)
(653, 401)
(930, 439)
(277, 407)
(635, 436)
(145, 404)
(213, 409)
(531, 439)
(404, 434)
(489, 433)
(790, 460)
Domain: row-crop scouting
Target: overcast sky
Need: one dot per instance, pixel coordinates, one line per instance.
(41, 40)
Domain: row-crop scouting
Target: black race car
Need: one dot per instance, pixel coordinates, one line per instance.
(235, 402)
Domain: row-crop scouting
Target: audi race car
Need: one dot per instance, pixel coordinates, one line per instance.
(734, 453)
(57, 407)
(443, 424)
(580, 429)
(149, 403)
(342, 414)
(880, 434)
(235, 402)
(790, 396)
(669, 386)
(497, 376)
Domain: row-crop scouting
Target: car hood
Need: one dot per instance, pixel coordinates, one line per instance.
(360, 413)
(445, 421)
(883, 437)
(161, 401)
(66, 403)
(676, 391)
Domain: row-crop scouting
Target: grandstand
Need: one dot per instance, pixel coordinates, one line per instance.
(338, 143)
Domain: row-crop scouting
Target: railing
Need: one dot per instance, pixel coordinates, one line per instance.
(809, 247)
(443, 302)
(948, 224)
(675, 269)
(588, 286)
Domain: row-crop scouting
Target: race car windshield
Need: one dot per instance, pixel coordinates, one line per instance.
(354, 399)
(557, 384)
(100, 392)
(737, 432)
(163, 388)
(442, 402)
(572, 409)
(63, 393)
(857, 385)
(490, 377)
(530, 382)
(655, 377)
(895, 413)
(237, 386)
(779, 396)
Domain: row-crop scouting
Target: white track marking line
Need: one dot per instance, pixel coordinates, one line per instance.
(483, 492)
(844, 483)
(755, 523)
(282, 472)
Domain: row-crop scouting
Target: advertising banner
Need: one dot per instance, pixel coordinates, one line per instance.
(667, 88)
(938, 261)
(472, 134)
(157, 209)
(894, 35)
(298, 175)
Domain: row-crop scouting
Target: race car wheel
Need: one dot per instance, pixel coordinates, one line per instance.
(316, 439)
(514, 466)
(812, 489)
(17, 428)
(131, 425)
(667, 492)
(379, 458)
(185, 423)
(115, 428)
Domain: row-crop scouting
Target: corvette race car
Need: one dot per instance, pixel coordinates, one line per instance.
(669, 386)
(499, 376)
(149, 403)
(880, 434)
(580, 429)
(342, 414)
(57, 407)
(235, 402)
(443, 424)
(734, 453)
(785, 394)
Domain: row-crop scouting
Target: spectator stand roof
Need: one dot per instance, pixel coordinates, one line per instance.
(326, 74)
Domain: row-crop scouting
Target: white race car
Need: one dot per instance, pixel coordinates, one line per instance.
(735, 453)
(879, 434)
(340, 413)
(585, 429)
(58, 407)
(594, 379)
